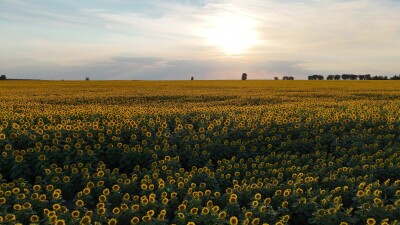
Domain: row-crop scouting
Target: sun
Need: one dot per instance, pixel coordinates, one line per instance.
(231, 34)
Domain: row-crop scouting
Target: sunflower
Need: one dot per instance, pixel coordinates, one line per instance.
(285, 218)
(181, 207)
(371, 221)
(56, 207)
(34, 196)
(181, 216)
(75, 214)
(135, 220)
(101, 211)
(17, 207)
(60, 222)
(360, 193)
(102, 198)
(194, 210)
(248, 215)
(222, 215)
(3, 201)
(232, 200)
(19, 158)
(257, 196)
(27, 205)
(34, 219)
(233, 220)
(150, 213)
(112, 221)
(116, 211)
(79, 203)
(205, 211)
(85, 220)
(255, 221)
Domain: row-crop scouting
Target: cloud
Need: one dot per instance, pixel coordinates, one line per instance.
(160, 39)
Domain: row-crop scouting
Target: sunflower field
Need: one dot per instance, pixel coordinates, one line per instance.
(200, 152)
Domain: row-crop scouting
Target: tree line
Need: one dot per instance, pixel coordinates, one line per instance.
(353, 77)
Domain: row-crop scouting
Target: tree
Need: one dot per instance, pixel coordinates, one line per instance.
(316, 77)
(3, 77)
(192, 78)
(395, 77)
(330, 77)
(276, 78)
(87, 78)
(244, 76)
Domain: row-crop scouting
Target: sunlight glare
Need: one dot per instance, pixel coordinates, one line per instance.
(232, 34)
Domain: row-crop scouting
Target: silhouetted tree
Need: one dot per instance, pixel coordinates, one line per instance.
(192, 78)
(287, 78)
(395, 77)
(276, 78)
(3, 77)
(244, 76)
(330, 77)
(381, 78)
(316, 77)
(87, 78)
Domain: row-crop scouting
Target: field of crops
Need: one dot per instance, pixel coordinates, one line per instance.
(200, 152)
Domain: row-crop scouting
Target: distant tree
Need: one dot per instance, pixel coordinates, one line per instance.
(244, 76)
(276, 78)
(367, 77)
(290, 78)
(395, 77)
(3, 77)
(316, 77)
(330, 77)
(87, 78)
(285, 78)
(336, 77)
(378, 78)
(192, 78)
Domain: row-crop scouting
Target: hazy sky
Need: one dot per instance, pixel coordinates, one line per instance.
(177, 39)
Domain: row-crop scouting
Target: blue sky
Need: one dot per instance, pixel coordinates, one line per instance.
(177, 39)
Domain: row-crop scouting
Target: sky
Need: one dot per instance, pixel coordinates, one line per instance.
(178, 39)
